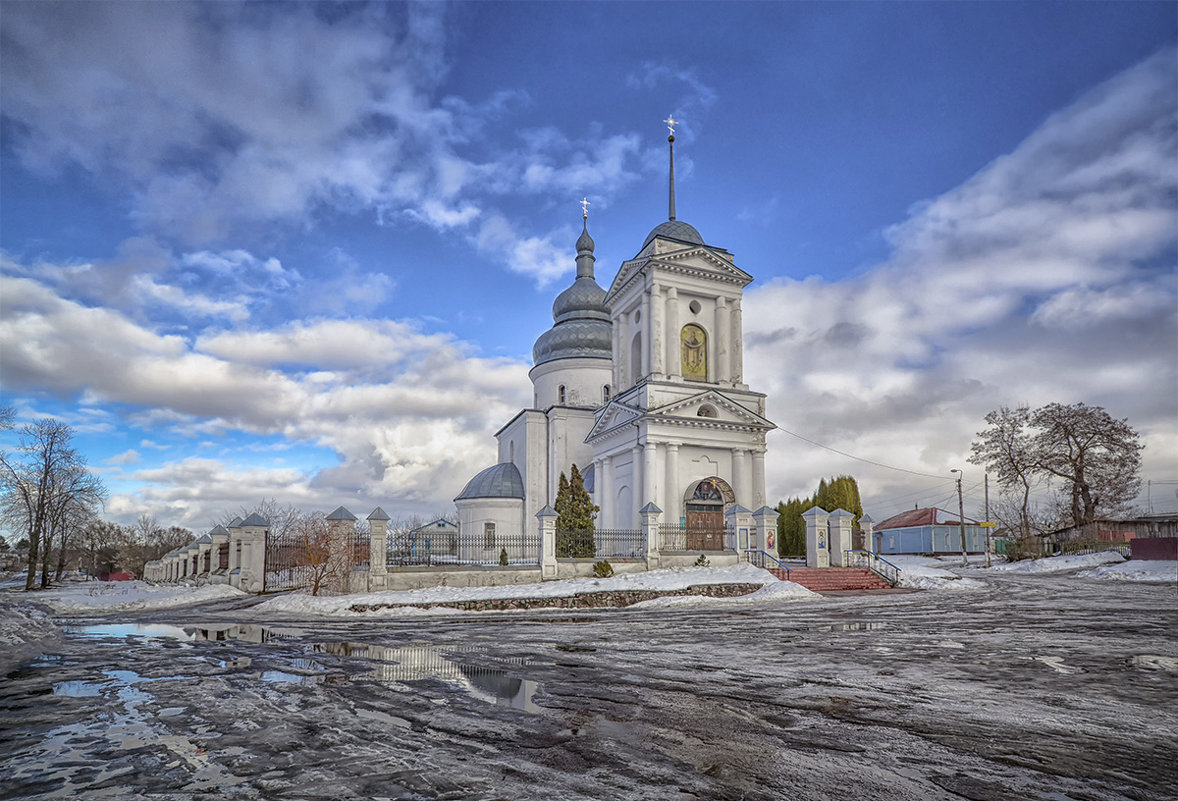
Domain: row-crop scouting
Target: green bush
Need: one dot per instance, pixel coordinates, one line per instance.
(1024, 548)
(603, 569)
(503, 558)
(703, 561)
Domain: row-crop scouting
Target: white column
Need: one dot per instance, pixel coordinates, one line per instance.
(644, 325)
(621, 346)
(638, 486)
(742, 474)
(671, 335)
(650, 474)
(723, 332)
(737, 344)
(609, 496)
(673, 493)
(758, 479)
(658, 338)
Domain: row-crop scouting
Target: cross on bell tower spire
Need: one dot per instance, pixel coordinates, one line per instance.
(671, 123)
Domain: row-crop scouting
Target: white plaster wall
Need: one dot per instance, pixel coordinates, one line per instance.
(506, 513)
(583, 380)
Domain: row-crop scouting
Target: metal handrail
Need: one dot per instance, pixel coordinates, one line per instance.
(875, 563)
(762, 557)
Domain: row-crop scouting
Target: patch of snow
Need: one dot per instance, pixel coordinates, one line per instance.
(930, 573)
(669, 579)
(1136, 570)
(1060, 564)
(24, 630)
(118, 596)
(1154, 662)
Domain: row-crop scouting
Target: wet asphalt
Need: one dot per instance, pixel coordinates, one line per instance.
(1031, 688)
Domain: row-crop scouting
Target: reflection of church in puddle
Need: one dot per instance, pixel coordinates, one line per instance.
(641, 386)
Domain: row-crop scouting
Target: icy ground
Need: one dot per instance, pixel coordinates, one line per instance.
(1029, 686)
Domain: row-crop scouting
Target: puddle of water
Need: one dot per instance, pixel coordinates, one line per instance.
(851, 627)
(77, 689)
(150, 630)
(282, 677)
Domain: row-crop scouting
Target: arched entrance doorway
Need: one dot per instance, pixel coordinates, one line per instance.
(705, 502)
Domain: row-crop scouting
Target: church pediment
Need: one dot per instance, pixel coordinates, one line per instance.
(701, 262)
(712, 408)
(612, 416)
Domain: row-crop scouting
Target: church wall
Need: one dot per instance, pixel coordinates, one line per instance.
(583, 380)
(567, 429)
(523, 442)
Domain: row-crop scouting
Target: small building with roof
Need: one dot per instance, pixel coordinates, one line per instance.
(928, 530)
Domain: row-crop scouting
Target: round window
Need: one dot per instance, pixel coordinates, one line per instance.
(694, 306)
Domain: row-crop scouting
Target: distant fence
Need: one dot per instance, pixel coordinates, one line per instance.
(488, 548)
(603, 543)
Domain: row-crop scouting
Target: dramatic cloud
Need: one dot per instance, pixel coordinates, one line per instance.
(1048, 276)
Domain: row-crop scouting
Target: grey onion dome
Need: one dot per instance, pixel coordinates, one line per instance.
(677, 230)
(501, 481)
(581, 327)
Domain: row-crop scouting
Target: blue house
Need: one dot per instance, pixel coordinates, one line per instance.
(927, 531)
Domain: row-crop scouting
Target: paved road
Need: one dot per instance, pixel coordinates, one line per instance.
(1034, 688)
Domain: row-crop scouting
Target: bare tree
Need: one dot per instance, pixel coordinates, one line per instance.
(1005, 449)
(1093, 458)
(324, 559)
(39, 481)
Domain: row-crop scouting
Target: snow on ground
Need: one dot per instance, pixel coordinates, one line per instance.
(1060, 564)
(930, 573)
(1136, 570)
(117, 596)
(670, 579)
(782, 591)
(24, 631)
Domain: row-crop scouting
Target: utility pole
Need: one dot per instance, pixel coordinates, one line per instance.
(961, 519)
(988, 521)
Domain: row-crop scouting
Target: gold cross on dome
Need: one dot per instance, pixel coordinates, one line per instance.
(671, 123)
(585, 208)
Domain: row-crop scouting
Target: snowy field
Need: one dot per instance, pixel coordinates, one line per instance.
(1045, 685)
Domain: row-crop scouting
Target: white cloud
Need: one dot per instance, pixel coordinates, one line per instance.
(126, 457)
(1048, 276)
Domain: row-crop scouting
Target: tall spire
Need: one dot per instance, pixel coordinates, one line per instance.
(585, 256)
(671, 123)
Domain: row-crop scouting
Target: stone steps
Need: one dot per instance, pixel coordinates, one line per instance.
(823, 579)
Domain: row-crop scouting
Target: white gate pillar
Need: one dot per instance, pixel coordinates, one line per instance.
(840, 536)
(817, 547)
(547, 517)
(652, 518)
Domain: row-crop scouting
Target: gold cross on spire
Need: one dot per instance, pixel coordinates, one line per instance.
(671, 123)
(585, 208)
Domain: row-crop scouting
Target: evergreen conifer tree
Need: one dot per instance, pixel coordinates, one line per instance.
(575, 512)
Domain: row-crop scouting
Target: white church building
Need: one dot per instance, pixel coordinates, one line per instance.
(642, 387)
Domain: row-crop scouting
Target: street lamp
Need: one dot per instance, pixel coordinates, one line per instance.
(961, 519)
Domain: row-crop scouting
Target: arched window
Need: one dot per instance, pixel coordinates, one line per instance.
(693, 353)
(605, 394)
(511, 451)
(706, 411)
(560, 394)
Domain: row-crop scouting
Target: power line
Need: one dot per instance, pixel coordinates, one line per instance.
(859, 458)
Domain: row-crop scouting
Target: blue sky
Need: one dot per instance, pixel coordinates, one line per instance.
(302, 252)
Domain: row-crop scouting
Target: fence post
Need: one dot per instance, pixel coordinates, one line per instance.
(739, 521)
(378, 523)
(865, 525)
(652, 519)
(817, 548)
(840, 536)
(253, 553)
(547, 517)
(766, 530)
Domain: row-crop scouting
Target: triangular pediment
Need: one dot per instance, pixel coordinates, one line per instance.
(612, 415)
(694, 260)
(710, 406)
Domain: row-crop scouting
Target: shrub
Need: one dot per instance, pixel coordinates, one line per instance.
(503, 558)
(703, 561)
(603, 569)
(1024, 548)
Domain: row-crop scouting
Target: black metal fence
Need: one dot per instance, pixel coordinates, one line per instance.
(674, 538)
(485, 548)
(317, 558)
(600, 544)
